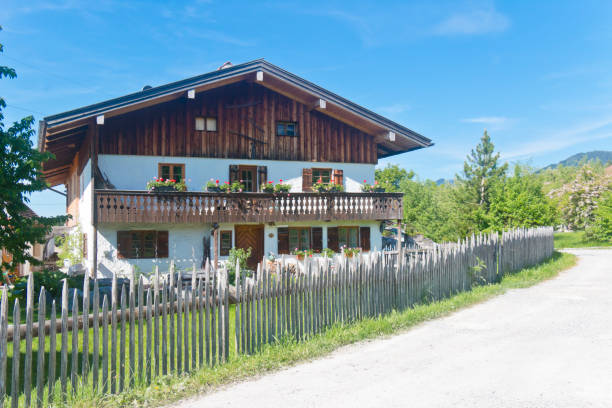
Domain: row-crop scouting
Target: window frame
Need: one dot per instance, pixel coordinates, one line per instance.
(347, 228)
(206, 127)
(222, 250)
(320, 169)
(299, 237)
(130, 253)
(171, 166)
(285, 128)
(253, 170)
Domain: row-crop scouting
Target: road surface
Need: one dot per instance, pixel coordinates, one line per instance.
(545, 346)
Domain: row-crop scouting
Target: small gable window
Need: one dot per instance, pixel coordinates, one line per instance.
(286, 129)
(208, 124)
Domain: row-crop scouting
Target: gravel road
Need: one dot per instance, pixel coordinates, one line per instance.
(546, 346)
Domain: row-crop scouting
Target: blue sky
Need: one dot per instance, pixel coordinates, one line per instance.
(537, 75)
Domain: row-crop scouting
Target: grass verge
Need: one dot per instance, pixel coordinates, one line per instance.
(577, 239)
(287, 352)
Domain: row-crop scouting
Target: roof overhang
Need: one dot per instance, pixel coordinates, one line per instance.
(62, 133)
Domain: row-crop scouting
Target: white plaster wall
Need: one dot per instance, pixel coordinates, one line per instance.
(184, 247)
(129, 172)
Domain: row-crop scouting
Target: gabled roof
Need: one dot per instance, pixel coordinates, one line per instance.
(391, 137)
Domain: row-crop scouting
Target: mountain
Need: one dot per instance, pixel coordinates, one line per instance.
(578, 158)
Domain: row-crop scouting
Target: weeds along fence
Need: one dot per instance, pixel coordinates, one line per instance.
(106, 343)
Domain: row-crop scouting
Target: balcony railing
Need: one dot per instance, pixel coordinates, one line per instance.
(116, 206)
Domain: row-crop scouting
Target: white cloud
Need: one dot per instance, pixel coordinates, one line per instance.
(472, 23)
(487, 120)
(394, 109)
(595, 130)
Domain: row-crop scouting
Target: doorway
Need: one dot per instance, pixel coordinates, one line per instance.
(251, 236)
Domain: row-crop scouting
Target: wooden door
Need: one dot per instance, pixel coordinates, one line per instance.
(251, 236)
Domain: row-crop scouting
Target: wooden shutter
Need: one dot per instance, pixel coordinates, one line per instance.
(162, 244)
(234, 174)
(338, 177)
(124, 244)
(262, 176)
(283, 240)
(316, 239)
(332, 238)
(364, 238)
(306, 180)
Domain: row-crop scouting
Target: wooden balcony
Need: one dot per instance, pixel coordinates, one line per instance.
(116, 206)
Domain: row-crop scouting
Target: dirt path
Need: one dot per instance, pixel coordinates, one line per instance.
(545, 346)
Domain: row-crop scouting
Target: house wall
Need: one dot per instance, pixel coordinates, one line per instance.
(185, 244)
(243, 111)
(131, 172)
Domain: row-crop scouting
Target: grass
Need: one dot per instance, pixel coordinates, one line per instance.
(577, 239)
(286, 351)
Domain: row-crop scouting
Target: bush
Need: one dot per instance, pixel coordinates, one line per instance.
(601, 229)
(237, 255)
(52, 280)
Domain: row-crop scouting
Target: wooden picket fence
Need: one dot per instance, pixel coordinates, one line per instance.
(108, 344)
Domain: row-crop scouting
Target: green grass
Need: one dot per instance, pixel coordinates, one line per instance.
(287, 352)
(577, 239)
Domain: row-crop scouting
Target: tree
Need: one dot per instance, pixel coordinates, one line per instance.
(601, 229)
(391, 177)
(481, 170)
(20, 176)
(520, 201)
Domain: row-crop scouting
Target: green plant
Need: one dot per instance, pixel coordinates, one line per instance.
(350, 252)
(52, 280)
(160, 182)
(270, 187)
(236, 187)
(372, 188)
(71, 247)
(213, 185)
(474, 272)
(327, 252)
(302, 253)
(321, 187)
(240, 256)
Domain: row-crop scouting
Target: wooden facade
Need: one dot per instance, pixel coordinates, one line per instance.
(246, 116)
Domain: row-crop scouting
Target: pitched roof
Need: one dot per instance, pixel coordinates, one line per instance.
(72, 123)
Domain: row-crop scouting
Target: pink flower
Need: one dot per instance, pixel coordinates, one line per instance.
(375, 182)
(364, 181)
(270, 182)
(226, 182)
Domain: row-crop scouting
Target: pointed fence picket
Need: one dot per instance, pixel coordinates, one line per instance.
(281, 299)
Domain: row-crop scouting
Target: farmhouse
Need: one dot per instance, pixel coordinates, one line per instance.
(253, 123)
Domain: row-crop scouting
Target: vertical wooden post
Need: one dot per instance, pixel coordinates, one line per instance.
(94, 220)
(216, 244)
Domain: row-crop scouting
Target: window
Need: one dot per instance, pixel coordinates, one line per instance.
(208, 124)
(348, 236)
(286, 129)
(142, 244)
(323, 174)
(171, 171)
(248, 176)
(225, 243)
(299, 238)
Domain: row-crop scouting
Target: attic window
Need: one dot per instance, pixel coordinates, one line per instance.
(286, 129)
(208, 124)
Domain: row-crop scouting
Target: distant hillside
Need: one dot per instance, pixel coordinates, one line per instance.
(602, 155)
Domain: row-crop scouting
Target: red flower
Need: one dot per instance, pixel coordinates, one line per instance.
(320, 180)
(365, 181)
(280, 181)
(173, 181)
(217, 181)
(270, 182)
(226, 182)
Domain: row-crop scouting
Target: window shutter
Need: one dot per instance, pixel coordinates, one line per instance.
(339, 177)
(124, 244)
(262, 176)
(306, 180)
(283, 240)
(162, 244)
(316, 239)
(332, 238)
(364, 238)
(233, 173)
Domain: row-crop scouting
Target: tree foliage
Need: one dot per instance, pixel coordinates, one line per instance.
(601, 228)
(392, 176)
(20, 176)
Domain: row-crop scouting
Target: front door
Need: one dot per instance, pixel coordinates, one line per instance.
(251, 236)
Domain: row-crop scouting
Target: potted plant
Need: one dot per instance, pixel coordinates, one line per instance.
(372, 188)
(160, 185)
(267, 187)
(282, 188)
(321, 187)
(213, 186)
(235, 187)
(327, 253)
(350, 252)
(302, 253)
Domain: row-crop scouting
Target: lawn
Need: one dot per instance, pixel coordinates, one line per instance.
(577, 239)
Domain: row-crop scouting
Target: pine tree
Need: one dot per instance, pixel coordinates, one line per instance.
(481, 170)
(20, 175)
